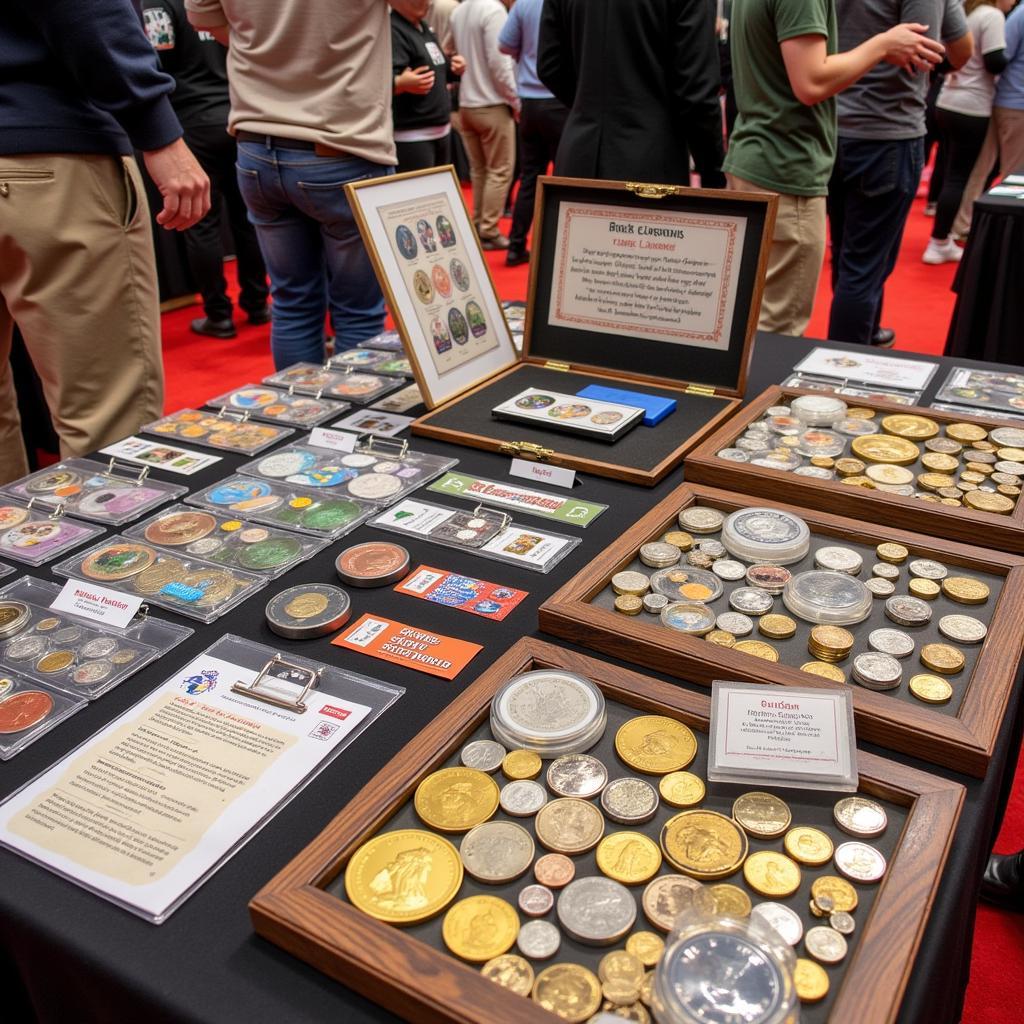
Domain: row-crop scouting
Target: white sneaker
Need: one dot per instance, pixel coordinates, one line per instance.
(945, 251)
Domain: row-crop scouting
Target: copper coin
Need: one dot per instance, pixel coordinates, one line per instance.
(373, 564)
(24, 710)
(554, 870)
(177, 528)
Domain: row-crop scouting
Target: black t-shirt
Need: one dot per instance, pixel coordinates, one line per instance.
(414, 47)
(196, 61)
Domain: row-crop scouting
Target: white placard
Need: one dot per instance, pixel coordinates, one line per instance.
(782, 736)
(868, 368)
(336, 440)
(97, 603)
(161, 455)
(370, 421)
(557, 475)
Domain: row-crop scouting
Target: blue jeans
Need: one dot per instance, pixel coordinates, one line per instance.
(312, 248)
(873, 185)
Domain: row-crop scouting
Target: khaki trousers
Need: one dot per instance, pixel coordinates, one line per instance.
(794, 263)
(78, 276)
(1003, 150)
(489, 135)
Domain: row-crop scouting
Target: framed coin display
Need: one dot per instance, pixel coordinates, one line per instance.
(951, 475)
(218, 430)
(425, 874)
(264, 403)
(932, 666)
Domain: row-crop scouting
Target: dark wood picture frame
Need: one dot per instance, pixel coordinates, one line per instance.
(964, 742)
(1005, 533)
(422, 984)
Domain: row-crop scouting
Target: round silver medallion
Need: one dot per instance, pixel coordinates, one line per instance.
(629, 801)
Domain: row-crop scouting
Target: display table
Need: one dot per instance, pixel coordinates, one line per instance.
(988, 319)
(69, 956)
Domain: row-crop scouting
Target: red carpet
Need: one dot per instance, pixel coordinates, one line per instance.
(918, 307)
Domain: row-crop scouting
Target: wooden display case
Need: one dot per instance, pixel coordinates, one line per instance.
(959, 735)
(1006, 533)
(409, 971)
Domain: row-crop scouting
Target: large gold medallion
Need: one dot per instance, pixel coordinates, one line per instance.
(655, 745)
(480, 928)
(456, 799)
(920, 428)
(704, 844)
(568, 991)
(885, 448)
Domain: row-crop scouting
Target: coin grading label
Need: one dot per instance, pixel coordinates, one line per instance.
(419, 649)
(97, 603)
(791, 736)
(490, 600)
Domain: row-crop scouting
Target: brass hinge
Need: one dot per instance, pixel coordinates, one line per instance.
(526, 449)
(555, 364)
(699, 389)
(645, 191)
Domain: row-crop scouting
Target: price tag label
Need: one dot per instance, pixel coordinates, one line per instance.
(338, 440)
(97, 603)
(556, 475)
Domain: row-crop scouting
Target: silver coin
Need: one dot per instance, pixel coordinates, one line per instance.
(853, 427)
(817, 472)
(839, 559)
(974, 455)
(283, 464)
(596, 911)
(823, 903)
(785, 921)
(842, 922)
(751, 601)
(928, 569)
(825, 944)
(906, 490)
(735, 623)
(659, 555)
(1007, 437)
(891, 641)
(784, 426)
(100, 647)
(374, 485)
(654, 603)
(905, 610)
(728, 569)
(496, 851)
(758, 427)
(699, 559)
(965, 629)
(821, 595)
(820, 442)
(204, 546)
(630, 582)
(753, 444)
(629, 801)
(67, 635)
(885, 571)
(25, 648)
(778, 459)
(535, 900)
(778, 410)
(485, 755)
(818, 410)
(522, 798)
(698, 519)
(1013, 468)
(733, 455)
(859, 862)
(92, 672)
(1005, 478)
(860, 816)
(880, 587)
(713, 548)
(577, 775)
(538, 940)
(877, 671)
(944, 445)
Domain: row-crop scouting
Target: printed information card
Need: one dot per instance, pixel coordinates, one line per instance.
(167, 457)
(868, 368)
(489, 600)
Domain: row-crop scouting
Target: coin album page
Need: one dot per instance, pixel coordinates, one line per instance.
(35, 537)
(570, 414)
(983, 389)
(386, 341)
(387, 364)
(224, 431)
(264, 403)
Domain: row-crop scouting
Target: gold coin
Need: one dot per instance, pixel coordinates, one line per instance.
(681, 789)
(757, 648)
(939, 462)
(628, 857)
(981, 469)
(456, 800)
(778, 627)
(971, 476)
(942, 658)
(894, 554)
(849, 467)
(305, 606)
(860, 412)
(763, 815)
(510, 971)
(521, 764)
(832, 642)
(885, 473)
(569, 991)
(920, 428)
(704, 844)
(965, 589)
(158, 575)
(966, 432)
(885, 448)
(927, 590)
(810, 981)
(838, 890)
(480, 928)
(646, 947)
(859, 481)
(825, 670)
(655, 745)
(934, 481)
(729, 899)
(965, 485)
(1011, 454)
(629, 604)
(1009, 489)
(931, 689)
(569, 825)
(929, 497)
(623, 966)
(954, 502)
(808, 845)
(823, 461)
(679, 538)
(984, 501)
(721, 638)
(403, 877)
(55, 661)
(771, 874)
(984, 446)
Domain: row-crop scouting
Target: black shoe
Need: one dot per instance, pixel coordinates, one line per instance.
(214, 328)
(260, 317)
(885, 337)
(1003, 881)
(516, 257)
(496, 242)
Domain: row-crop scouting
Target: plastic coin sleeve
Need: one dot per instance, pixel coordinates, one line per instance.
(223, 432)
(274, 406)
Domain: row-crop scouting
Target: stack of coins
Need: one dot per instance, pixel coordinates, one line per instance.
(830, 643)
(659, 555)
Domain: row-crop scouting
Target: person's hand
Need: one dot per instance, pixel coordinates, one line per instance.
(458, 64)
(420, 81)
(907, 47)
(183, 184)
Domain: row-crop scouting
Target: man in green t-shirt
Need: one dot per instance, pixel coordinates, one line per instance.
(786, 73)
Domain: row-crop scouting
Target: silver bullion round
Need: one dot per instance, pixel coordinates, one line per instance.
(733, 455)
(25, 648)
(825, 944)
(860, 816)
(784, 920)
(698, 519)
(659, 555)
(630, 581)
(842, 922)
(535, 900)
(538, 940)
(877, 671)
(577, 775)
(484, 755)
(522, 798)
(928, 569)
(839, 558)
(880, 587)
(885, 571)
(859, 862)
(101, 647)
(777, 410)
(1005, 478)
(1013, 468)
(596, 911)
(964, 629)
(905, 610)
(496, 851)
(629, 801)
(817, 472)
(728, 569)
(751, 601)
(714, 549)
(655, 603)
(1007, 437)
(891, 641)
(67, 635)
(754, 444)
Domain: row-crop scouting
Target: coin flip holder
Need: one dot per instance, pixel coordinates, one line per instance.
(222, 430)
(379, 470)
(226, 540)
(35, 537)
(983, 389)
(811, 383)
(75, 654)
(302, 509)
(29, 710)
(263, 403)
(353, 386)
(359, 359)
(108, 493)
(189, 586)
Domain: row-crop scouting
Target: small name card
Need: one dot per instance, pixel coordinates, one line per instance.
(97, 603)
(782, 736)
(338, 440)
(556, 475)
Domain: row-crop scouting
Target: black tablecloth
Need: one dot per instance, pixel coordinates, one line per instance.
(988, 318)
(68, 956)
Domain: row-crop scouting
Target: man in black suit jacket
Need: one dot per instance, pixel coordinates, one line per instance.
(641, 78)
